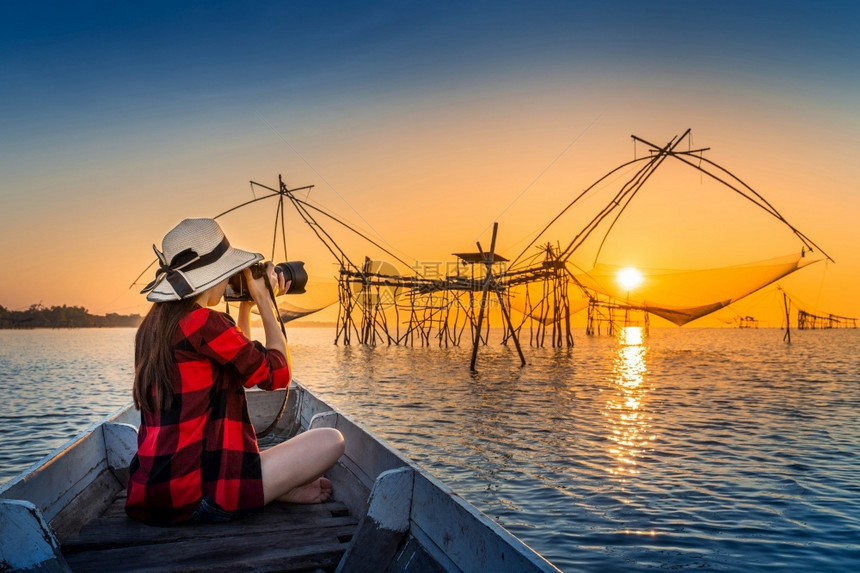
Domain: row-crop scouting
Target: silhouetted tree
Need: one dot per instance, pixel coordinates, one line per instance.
(38, 316)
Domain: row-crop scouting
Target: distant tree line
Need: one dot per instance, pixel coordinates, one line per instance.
(38, 316)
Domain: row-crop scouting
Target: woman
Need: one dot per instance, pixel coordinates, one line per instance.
(198, 458)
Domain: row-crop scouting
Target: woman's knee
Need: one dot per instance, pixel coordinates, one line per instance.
(327, 441)
(332, 441)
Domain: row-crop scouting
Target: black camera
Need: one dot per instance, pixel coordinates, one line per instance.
(237, 287)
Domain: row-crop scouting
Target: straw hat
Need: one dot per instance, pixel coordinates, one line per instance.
(195, 256)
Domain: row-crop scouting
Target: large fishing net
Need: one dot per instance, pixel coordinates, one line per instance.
(691, 209)
(681, 296)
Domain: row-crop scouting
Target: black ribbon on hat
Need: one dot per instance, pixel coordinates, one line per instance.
(186, 260)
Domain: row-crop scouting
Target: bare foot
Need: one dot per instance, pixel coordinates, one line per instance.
(316, 491)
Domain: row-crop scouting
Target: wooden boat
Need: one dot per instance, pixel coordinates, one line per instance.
(387, 514)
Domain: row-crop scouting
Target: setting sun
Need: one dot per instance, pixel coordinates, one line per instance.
(629, 278)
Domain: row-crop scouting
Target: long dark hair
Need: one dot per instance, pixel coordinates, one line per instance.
(153, 355)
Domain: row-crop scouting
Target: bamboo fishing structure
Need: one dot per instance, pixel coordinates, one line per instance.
(608, 316)
(809, 321)
(379, 306)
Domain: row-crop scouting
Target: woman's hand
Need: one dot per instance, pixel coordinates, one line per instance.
(275, 339)
(282, 285)
(257, 287)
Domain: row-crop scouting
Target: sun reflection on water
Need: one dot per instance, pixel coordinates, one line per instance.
(628, 421)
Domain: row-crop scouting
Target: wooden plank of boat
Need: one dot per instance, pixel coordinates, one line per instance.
(282, 538)
(387, 513)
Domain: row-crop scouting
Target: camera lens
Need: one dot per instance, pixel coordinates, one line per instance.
(294, 271)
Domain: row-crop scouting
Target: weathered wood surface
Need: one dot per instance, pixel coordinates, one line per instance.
(365, 459)
(451, 531)
(120, 447)
(284, 537)
(263, 406)
(35, 547)
(381, 531)
(63, 475)
(75, 482)
(460, 537)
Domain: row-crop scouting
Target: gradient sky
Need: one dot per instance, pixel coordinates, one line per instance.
(421, 123)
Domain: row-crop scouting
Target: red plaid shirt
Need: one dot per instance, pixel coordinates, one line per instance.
(204, 444)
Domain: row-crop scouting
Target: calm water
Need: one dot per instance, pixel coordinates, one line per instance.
(720, 449)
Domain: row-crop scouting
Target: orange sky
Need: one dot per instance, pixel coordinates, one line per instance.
(426, 167)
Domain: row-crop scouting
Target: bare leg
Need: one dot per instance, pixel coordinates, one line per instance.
(292, 470)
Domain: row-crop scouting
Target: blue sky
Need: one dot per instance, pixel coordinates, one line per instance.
(86, 64)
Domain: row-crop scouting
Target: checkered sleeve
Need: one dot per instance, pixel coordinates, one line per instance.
(216, 337)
